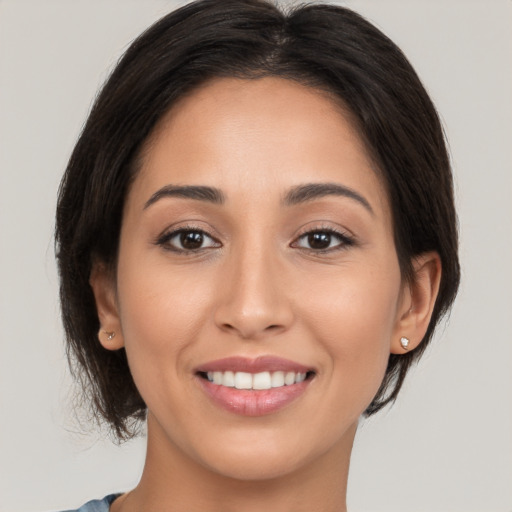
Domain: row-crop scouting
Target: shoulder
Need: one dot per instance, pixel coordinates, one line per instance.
(97, 505)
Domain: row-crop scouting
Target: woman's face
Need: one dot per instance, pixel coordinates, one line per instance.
(257, 240)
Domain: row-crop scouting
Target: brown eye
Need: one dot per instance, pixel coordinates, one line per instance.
(323, 240)
(187, 240)
(319, 240)
(191, 240)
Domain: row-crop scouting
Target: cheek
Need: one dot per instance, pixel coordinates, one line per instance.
(354, 316)
(356, 303)
(161, 311)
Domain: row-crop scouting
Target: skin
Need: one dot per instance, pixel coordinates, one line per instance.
(257, 288)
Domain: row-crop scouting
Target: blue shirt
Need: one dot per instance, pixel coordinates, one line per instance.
(97, 505)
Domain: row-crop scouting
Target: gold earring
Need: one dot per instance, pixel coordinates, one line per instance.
(404, 342)
(110, 335)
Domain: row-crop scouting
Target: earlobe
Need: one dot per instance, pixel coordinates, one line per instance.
(418, 304)
(103, 287)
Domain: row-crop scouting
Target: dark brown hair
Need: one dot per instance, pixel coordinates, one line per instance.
(322, 46)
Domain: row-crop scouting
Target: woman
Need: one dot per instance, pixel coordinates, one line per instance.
(256, 238)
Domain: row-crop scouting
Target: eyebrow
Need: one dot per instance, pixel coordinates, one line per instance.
(310, 191)
(296, 195)
(198, 192)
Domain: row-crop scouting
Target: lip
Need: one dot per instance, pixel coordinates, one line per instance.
(260, 364)
(253, 402)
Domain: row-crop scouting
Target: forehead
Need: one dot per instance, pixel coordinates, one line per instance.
(258, 135)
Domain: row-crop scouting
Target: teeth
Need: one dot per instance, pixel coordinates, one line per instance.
(300, 377)
(243, 380)
(277, 379)
(289, 378)
(228, 379)
(262, 380)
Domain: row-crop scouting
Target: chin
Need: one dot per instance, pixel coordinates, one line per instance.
(257, 465)
(259, 455)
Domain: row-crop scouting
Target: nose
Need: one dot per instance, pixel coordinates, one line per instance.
(253, 300)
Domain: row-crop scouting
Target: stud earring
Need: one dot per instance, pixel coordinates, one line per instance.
(404, 342)
(110, 335)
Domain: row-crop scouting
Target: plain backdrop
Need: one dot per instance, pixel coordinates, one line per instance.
(447, 443)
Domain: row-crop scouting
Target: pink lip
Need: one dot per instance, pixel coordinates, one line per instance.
(252, 402)
(260, 364)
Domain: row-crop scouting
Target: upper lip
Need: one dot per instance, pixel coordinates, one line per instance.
(260, 364)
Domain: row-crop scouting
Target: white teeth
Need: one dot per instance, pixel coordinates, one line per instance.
(229, 379)
(243, 380)
(277, 379)
(261, 381)
(258, 381)
(289, 378)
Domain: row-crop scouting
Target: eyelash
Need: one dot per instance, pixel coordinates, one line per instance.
(165, 239)
(344, 239)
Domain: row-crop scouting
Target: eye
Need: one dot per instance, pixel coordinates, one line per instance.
(323, 240)
(187, 240)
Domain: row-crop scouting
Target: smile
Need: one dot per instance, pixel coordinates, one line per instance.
(254, 387)
(257, 381)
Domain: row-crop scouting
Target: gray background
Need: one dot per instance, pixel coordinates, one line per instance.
(445, 446)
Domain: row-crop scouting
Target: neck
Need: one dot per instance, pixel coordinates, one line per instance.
(173, 481)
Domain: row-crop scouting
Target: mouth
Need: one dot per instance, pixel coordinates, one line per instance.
(254, 387)
(255, 381)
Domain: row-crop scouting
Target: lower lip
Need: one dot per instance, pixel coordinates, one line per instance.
(248, 402)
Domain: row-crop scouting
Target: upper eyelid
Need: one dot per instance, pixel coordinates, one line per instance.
(170, 233)
(305, 231)
(320, 230)
(173, 230)
(344, 237)
(343, 234)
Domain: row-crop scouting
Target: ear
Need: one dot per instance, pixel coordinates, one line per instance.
(417, 304)
(102, 283)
